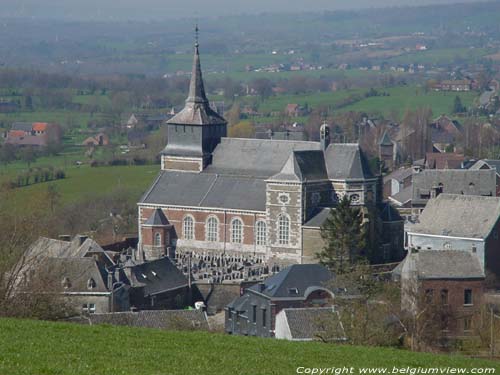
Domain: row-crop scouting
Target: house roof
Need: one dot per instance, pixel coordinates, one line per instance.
(307, 323)
(197, 110)
(346, 161)
(453, 215)
(24, 126)
(385, 140)
(157, 218)
(75, 273)
(160, 319)
(399, 175)
(446, 160)
(443, 264)
(40, 126)
(297, 276)
(157, 276)
(454, 181)
(403, 196)
(487, 164)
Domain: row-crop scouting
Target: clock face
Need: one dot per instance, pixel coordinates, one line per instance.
(284, 199)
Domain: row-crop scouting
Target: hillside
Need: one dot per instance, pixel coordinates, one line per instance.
(35, 347)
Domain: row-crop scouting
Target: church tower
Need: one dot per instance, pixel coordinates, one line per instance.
(195, 131)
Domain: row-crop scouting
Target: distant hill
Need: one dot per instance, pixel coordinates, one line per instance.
(37, 347)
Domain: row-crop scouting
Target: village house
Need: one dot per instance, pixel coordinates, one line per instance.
(455, 222)
(295, 110)
(489, 164)
(100, 139)
(444, 160)
(453, 85)
(297, 286)
(38, 134)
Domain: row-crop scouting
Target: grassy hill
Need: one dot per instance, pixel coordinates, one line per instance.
(35, 347)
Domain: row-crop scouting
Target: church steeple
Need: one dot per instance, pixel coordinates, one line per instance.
(196, 130)
(196, 86)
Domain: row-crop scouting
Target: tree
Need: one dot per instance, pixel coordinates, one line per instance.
(458, 107)
(28, 155)
(243, 129)
(344, 235)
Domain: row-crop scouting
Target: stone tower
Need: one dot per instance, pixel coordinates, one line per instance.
(196, 130)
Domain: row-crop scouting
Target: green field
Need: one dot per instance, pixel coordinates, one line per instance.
(36, 347)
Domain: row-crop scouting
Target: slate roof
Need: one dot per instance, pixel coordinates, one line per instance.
(197, 110)
(159, 319)
(346, 161)
(403, 196)
(303, 166)
(77, 272)
(454, 181)
(318, 219)
(297, 276)
(157, 218)
(24, 126)
(487, 163)
(446, 160)
(385, 140)
(400, 174)
(443, 264)
(157, 276)
(259, 158)
(207, 190)
(467, 216)
(307, 323)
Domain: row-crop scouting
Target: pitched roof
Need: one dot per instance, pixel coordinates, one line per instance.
(197, 110)
(487, 163)
(157, 276)
(160, 319)
(399, 174)
(403, 196)
(307, 323)
(40, 126)
(385, 140)
(157, 218)
(443, 264)
(298, 276)
(346, 161)
(303, 166)
(453, 215)
(318, 219)
(454, 181)
(260, 158)
(24, 126)
(446, 160)
(207, 190)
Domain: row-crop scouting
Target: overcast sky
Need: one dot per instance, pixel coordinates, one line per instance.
(146, 9)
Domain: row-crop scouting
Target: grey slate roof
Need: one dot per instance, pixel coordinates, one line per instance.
(307, 323)
(385, 140)
(402, 197)
(24, 126)
(303, 166)
(443, 264)
(197, 110)
(454, 181)
(207, 190)
(297, 276)
(318, 219)
(160, 319)
(453, 215)
(157, 218)
(346, 161)
(400, 174)
(157, 276)
(260, 158)
(487, 164)
(77, 271)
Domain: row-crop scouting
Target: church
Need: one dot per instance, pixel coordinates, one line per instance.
(249, 198)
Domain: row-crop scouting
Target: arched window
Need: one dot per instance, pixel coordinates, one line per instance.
(91, 284)
(237, 231)
(261, 233)
(283, 230)
(188, 228)
(157, 239)
(212, 229)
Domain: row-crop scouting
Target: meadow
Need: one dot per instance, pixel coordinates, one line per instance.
(37, 347)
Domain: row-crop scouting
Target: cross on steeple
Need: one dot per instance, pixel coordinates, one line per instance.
(196, 35)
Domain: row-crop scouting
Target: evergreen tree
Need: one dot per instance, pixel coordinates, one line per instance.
(458, 106)
(344, 236)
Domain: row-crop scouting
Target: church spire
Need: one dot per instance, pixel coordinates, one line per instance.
(196, 87)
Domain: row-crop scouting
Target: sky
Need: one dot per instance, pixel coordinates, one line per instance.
(164, 9)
